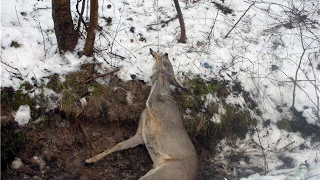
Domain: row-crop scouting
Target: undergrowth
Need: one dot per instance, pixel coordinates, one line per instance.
(199, 108)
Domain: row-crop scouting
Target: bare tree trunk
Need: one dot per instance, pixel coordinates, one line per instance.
(66, 35)
(181, 21)
(88, 47)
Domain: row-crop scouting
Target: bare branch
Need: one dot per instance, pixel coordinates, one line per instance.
(296, 75)
(15, 7)
(239, 20)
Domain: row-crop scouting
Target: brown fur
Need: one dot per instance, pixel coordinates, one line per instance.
(162, 131)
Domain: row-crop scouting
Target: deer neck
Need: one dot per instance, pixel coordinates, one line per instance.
(160, 87)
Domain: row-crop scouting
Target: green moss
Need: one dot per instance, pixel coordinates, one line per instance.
(69, 103)
(235, 122)
(202, 87)
(26, 86)
(12, 142)
(11, 100)
(74, 82)
(14, 99)
(213, 108)
(99, 90)
(300, 124)
(74, 89)
(55, 84)
(284, 124)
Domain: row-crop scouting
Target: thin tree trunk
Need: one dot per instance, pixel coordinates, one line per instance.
(181, 21)
(88, 47)
(66, 35)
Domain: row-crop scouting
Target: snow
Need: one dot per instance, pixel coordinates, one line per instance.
(23, 115)
(256, 45)
(16, 163)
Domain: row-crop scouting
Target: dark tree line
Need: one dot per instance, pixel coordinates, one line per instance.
(67, 36)
(181, 22)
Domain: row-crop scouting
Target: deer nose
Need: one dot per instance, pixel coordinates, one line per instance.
(151, 51)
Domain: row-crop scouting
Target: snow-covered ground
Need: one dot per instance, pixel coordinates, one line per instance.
(273, 51)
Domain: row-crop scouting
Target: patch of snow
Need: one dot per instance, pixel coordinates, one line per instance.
(16, 163)
(216, 118)
(23, 115)
(83, 102)
(51, 98)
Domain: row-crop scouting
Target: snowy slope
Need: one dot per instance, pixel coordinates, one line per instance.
(267, 51)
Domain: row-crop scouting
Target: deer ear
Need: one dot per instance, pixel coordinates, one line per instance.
(151, 51)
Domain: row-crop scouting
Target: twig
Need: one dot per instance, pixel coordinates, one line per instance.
(84, 131)
(316, 93)
(81, 15)
(287, 145)
(296, 75)
(214, 22)
(118, 27)
(114, 40)
(239, 20)
(264, 154)
(29, 160)
(163, 22)
(15, 7)
(43, 39)
(211, 31)
(121, 57)
(101, 75)
(12, 67)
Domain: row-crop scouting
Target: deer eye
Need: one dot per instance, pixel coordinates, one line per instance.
(166, 54)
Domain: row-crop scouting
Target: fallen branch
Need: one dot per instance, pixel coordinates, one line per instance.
(284, 148)
(85, 133)
(29, 160)
(15, 7)
(163, 22)
(116, 55)
(239, 20)
(5, 63)
(101, 75)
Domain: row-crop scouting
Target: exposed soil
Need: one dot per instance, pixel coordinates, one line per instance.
(61, 145)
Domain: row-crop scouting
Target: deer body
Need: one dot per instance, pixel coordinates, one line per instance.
(162, 131)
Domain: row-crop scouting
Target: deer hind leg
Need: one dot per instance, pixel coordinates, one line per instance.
(168, 171)
(129, 143)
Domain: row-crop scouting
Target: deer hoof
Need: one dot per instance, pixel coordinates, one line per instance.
(85, 163)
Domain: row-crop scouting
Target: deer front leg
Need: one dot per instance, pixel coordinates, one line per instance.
(132, 142)
(129, 143)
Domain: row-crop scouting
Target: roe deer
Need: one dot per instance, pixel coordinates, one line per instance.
(161, 130)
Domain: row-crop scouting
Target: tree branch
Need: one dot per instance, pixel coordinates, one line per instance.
(239, 20)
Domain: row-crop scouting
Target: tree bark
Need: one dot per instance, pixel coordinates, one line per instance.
(88, 47)
(181, 21)
(66, 35)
